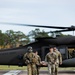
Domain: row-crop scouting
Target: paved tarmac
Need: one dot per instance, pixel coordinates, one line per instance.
(21, 72)
(59, 73)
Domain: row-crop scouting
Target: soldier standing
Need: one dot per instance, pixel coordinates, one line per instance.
(38, 63)
(51, 59)
(30, 60)
(59, 60)
(73, 54)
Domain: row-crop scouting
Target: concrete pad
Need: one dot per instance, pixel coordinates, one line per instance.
(21, 72)
(46, 73)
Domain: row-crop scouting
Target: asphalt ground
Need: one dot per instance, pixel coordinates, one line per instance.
(21, 72)
(46, 73)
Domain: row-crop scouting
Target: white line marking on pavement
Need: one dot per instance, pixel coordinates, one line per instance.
(13, 72)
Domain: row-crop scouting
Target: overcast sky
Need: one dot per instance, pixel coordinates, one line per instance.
(42, 12)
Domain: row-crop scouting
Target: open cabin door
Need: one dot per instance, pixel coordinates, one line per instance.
(64, 52)
(44, 50)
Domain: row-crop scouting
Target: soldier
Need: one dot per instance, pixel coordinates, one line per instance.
(38, 63)
(73, 54)
(30, 60)
(59, 60)
(51, 59)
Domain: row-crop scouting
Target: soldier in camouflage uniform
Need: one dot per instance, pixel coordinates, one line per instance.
(59, 60)
(73, 54)
(51, 58)
(38, 63)
(30, 60)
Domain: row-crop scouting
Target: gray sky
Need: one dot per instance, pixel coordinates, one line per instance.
(43, 12)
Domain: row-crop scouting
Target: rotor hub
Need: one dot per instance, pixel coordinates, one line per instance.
(71, 28)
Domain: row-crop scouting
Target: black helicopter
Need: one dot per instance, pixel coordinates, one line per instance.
(14, 56)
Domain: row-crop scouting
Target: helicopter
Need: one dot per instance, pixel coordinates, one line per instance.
(14, 56)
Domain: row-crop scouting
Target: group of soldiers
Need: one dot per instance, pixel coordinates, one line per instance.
(33, 61)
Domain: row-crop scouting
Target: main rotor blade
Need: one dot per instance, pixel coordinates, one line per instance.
(56, 27)
(61, 31)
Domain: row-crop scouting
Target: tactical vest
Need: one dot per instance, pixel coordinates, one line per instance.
(31, 57)
(51, 57)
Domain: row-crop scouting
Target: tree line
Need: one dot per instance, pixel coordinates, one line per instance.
(11, 39)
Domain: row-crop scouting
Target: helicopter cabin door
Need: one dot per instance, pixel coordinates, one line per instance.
(44, 50)
(64, 52)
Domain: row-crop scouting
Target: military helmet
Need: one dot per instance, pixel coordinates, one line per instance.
(29, 49)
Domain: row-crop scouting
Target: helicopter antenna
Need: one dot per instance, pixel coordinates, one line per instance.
(73, 32)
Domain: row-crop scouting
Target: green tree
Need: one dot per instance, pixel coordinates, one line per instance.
(21, 38)
(10, 35)
(37, 33)
(3, 39)
(16, 38)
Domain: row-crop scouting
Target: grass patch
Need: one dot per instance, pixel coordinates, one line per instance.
(67, 68)
(5, 67)
(60, 69)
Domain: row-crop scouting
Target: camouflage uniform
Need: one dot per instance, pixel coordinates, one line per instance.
(59, 60)
(73, 54)
(59, 56)
(38, 63)
(30, 60)
(51, 58)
